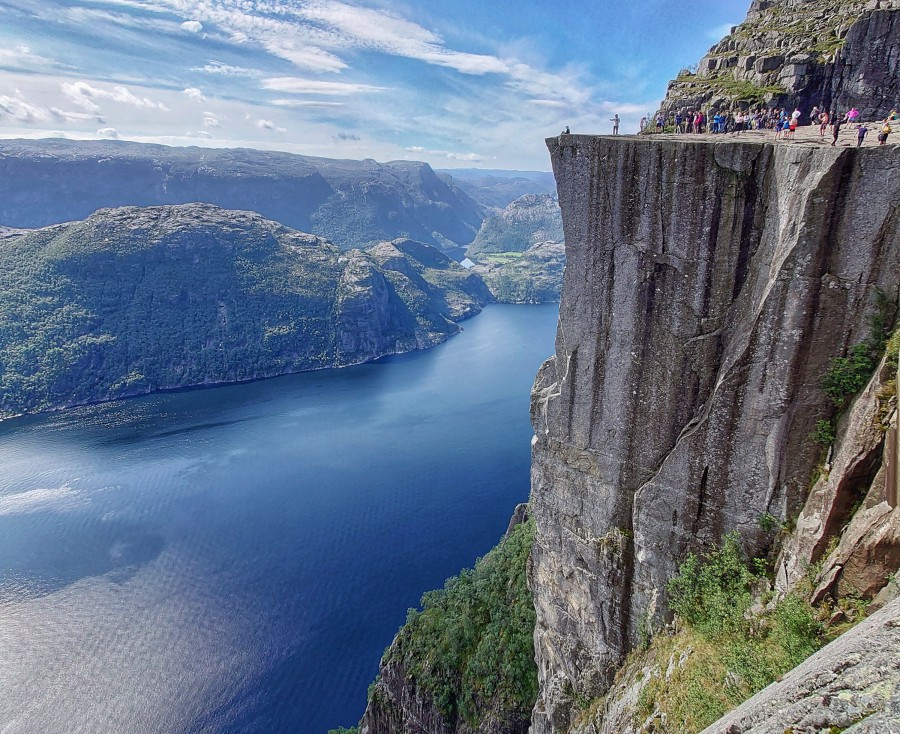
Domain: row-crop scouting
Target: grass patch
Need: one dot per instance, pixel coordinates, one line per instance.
(721, 653)
(499, 258)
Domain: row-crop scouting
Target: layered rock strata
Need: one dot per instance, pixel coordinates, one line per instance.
(707, 287)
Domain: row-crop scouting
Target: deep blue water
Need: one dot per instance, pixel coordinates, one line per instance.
(236, 559)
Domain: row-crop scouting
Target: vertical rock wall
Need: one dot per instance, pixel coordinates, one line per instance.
(707, 287)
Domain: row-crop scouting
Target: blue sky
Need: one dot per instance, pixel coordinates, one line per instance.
(456, 83)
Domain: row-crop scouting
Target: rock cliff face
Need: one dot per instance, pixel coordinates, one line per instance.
(789, 52)
(707, 287)
(354, 204)
(132, 300)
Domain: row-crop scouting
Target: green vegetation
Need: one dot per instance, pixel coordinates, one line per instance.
(846, 376)
(131, 300)
(533, 276)
(470, 648)
(824, 432)
(499, 258)
(725, 648)
(738, 90)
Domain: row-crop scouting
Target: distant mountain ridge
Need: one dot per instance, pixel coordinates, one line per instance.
(135, 300)
(351, 203)
(527, 221)
(493, 188)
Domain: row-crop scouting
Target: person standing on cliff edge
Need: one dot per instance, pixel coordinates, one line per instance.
(615, 121)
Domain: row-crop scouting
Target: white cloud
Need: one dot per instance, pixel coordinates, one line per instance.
(68, 116)
(21, 111)
(296, 85)
(269, 125)
(246, 22)
(22, 57)
(194, 93)
(192, 26)
(108, 132)
(211, 120)
(306, 103)
(449, 154)
(84, 95)
(216, 67)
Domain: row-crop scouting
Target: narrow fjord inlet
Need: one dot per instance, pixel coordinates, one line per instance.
(236, 559)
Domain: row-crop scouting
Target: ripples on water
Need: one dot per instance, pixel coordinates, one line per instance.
(236, 559)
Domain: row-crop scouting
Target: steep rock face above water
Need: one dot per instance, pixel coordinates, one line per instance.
(132, 300)
(351, 203)
(707, 287)
(831, 54)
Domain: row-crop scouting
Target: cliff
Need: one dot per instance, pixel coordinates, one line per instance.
(835, 55)
(708, 288)
(351, 203)
(134, 300)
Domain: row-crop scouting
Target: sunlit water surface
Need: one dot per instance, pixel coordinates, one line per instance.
(236, 559)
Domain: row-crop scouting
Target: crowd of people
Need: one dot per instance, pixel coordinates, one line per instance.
(780, 121)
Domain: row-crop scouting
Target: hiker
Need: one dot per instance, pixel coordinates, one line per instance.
(615, 121)
(642, 125)
(824, 118)
(852, 115)
(885, 131)
(861, 131)
(814, 115)
(836, 129)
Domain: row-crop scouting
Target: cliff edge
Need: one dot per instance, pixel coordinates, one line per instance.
(708, 287)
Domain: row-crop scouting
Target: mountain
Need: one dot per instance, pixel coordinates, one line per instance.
(497, 188)
(136, 300)
(351, 203)
(534, 276)
(836, 55)
(528, 220)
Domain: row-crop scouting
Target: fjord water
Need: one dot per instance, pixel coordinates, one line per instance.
(236, 559)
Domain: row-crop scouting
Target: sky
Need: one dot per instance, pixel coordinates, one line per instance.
(455, 83)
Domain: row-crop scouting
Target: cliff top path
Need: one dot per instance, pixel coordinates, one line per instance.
(807, 135)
